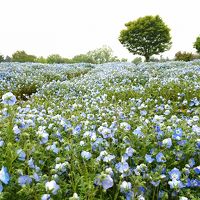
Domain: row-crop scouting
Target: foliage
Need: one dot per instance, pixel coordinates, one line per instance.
(55, 58)
(183, 56)
(41, 59)
(102, 55)
(8, 59)
(197, 44)
(113, 131)
(1, 58)
(82, 58)
(146, 36)
(22, 56)
(137, 60)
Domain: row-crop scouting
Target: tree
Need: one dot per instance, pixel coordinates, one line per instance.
(55, 58)
(22, 56)
(1, 58)
(82, 58)
(197, 44)
(102, 55)
(146, 36)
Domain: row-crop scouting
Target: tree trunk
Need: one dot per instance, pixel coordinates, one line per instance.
(147, 58)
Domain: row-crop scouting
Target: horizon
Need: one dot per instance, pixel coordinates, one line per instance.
(69, 28)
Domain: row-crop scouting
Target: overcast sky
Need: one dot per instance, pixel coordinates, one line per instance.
(71, 27)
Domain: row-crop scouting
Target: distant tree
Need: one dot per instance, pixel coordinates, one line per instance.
(8, 59)
(197, 44)
(184, 56)
(55, 58)
(137, 60)
(1, 58)
(41, 59)
(22, 56)
(146, 36)
(102, 55)
(82, 58)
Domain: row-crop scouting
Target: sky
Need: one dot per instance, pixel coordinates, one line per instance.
(72, 27)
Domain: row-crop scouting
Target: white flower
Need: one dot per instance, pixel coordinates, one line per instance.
(52, 186)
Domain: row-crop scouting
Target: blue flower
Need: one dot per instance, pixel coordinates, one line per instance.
(107, 182)
(175, 174)
(175, 184)
(24, 180)
(148, 158)
(125, 186)
(191, 162)
(21, 154)
(130, 151)
(122, 167)
(9, 99)
(167, 142)
(177, 134)
(52, 186)
(155, 183)
(86, 155)
(1, 187)
(46, 197)
(160, 157)
(197, 170)
(4, 175)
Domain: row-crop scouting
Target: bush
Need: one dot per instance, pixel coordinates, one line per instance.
(22, 56)
(184, 56)
(55, 58)
(137, 60)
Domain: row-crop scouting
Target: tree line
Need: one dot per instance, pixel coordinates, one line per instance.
(146, 36)
(97, 56)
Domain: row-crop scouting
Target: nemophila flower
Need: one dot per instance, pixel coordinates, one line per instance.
(124, 157)
(183, 198)
(130, 151)
(36, 177)
(4, 175)
(104, 180)
(141, 197)
(52, 186)
(175, 174)
(1, 187)
(108, 158)
(43, 135)
(24, 180)
(191, 162)
(148, 158)
(138, 132)
(197, 169)
(21, 155)
(182, 142)
(53, 148)
(167, 142)
(31, 163)
(46, 197)
(16, 130)
(160, 157)
(125, 126)
(105, 132)
(155, 183)
(61, 167)
(107, 182)
(86, 155)
(175, 184)
(109, 171)
(125, 187)
(9, 99)
(74, 197)
(177, 134)
(1, 143)
(122, 167)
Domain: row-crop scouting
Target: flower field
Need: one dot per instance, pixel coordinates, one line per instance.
(105, 132)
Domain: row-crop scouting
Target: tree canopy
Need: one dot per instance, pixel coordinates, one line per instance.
(146, 36)
(197, 44)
